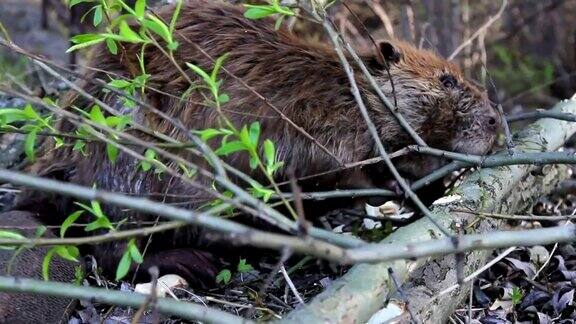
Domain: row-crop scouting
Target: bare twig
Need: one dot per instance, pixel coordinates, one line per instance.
(529, 218)
(291, 285)
(185, 310)
(477, 272)
(152, 298)
(480, 30)
(398, 287)
(538, 158)
(542, 113)
(484, 241)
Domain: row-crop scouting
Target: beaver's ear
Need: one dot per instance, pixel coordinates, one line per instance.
(387, 53)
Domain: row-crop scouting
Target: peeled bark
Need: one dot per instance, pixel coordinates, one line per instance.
(366, 287)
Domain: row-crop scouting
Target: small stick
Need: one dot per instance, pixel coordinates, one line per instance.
(291, 285)
(480, 30)
(396, 283)
(542, 113)
(151, 299)
(476, 273)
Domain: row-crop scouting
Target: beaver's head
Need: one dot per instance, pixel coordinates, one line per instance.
(446, 110)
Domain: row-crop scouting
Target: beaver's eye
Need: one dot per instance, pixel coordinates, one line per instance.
(449, 81)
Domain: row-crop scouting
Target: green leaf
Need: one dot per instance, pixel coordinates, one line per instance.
(46, 263)
(89, 209)
(244, 267)
(208, 133)
(259, 191)
(97, 15)
(11, 115)
(123, 266)
(224, 276)
(516, 295)
(230, 148)
(84, 38)
(86, 44)
(278, 22)
(269, 152)
(217, 66)
(175, 16)
(254, 134)
(223, 98)
(253, 162)
(158, 27)
(134, 252)
(78, 274)
(201, 73)
(72, 3)
(40, 230)
(187, 172)
(71, 219)
(79, 146)
(118, 122)
(31, 113)
(11, 235)
(111, 45)
(70, 253)
(150, 156)
(128, 34)
(29, 144)
(258, 12)
(97, 116)
(173, 46)
(112, 152)
(99, 223)
(58, 142)
(139, 8)
(97, 209)
(244, 136)
(119, 84)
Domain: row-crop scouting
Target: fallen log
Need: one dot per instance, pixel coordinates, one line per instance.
(364, 290)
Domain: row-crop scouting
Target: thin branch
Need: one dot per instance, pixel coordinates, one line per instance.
(507, 133)
(320, 195)
(185, 310)
(439, 174)
(291, 285)
(542, 113)
(529, 218)
(402, 295)
(10, 130)
(466, 243)
(477, 272)
(95, 239)
(480, 30)
(538, 158)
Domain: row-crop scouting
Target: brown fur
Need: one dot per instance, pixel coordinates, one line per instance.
(307, 83)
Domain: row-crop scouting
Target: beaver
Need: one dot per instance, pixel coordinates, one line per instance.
(304, 80)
